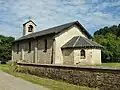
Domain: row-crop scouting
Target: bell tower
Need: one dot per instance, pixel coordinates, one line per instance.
(29, 27)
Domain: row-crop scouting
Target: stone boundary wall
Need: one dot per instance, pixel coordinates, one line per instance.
(97, 77)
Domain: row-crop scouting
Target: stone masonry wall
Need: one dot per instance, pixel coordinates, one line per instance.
(102, 78)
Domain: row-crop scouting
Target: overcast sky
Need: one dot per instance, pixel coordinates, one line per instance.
(92, 14)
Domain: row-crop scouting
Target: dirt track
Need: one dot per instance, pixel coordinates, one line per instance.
(8, 82)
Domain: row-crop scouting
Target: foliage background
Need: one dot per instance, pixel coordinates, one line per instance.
(109, 37)
(5, 47)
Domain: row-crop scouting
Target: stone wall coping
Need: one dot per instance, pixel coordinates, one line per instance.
(94, 68)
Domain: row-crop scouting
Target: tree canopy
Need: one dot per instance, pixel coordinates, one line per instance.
(109, 37)
(5, 47)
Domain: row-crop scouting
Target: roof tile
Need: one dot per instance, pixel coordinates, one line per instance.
(79, 41)
(56, 29)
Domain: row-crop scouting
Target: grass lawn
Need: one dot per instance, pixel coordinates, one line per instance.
(49, 83)
(111, 65)
(3, 66)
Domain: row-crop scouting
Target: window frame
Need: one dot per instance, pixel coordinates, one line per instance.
(30, 28)
(45, 45)
(29, 47)
(18, 47)
(82, 54)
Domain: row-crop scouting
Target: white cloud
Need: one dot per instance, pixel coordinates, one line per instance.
(48, 13)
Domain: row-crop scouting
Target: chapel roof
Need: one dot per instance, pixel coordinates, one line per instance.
(80, 42)
(54, 30)
(29, 21)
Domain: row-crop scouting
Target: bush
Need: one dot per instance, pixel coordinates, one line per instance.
(12, 63)
(3, 62)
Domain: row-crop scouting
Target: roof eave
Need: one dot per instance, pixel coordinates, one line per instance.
(84, 29)
(30, 21)
(30, 38)
(82, 47)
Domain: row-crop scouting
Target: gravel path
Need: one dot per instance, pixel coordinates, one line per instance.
(8, 82)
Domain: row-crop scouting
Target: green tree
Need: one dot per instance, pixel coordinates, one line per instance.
(111, 43)
(5, 48)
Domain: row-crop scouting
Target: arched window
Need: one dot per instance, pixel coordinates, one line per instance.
(30, 28)
(82, 53)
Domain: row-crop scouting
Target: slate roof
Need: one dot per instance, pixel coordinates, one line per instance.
(79, 42)
(54, 30)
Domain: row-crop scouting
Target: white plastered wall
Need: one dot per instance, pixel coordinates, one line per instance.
(92, 56)
(68, 56)
(63, 38)
(16, 56)
(96, 56)
(86, 60)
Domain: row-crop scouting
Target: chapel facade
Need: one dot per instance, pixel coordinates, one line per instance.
(67, 44)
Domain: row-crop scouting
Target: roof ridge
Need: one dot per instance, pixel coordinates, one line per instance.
(54, 27)
(87, 41)
(60, 25)
(42, 30)
(76, 40)
(30, 21)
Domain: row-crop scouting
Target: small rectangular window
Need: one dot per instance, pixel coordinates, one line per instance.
(17, 48)
(45, 42)
(29, 47)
